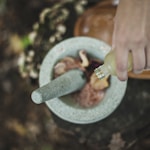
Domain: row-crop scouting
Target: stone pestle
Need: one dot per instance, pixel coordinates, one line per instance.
(67, 83)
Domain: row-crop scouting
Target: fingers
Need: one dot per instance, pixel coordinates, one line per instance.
(121, 57)
(139, 60)
(147, 67)
(140, 56)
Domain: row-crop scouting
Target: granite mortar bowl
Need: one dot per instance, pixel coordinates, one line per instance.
(65, 107)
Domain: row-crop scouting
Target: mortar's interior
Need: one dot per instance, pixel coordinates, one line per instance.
(69, 99)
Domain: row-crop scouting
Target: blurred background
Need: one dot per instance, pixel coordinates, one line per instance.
(28, 29)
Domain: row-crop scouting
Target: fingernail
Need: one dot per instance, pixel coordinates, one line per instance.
(113, 46)
(147, 69)
(122, 76)
(138, 71)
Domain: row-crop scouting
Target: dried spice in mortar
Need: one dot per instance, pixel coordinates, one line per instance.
(94, 90)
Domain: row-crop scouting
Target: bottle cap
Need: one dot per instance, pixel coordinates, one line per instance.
(99, 72)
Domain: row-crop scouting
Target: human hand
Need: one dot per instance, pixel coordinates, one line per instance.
(132, 33)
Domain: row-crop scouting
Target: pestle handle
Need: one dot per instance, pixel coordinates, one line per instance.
(67, 83)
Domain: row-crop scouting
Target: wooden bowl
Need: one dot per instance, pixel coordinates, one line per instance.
(97, 22)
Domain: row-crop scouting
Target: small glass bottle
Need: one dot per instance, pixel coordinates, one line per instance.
(109, 66)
